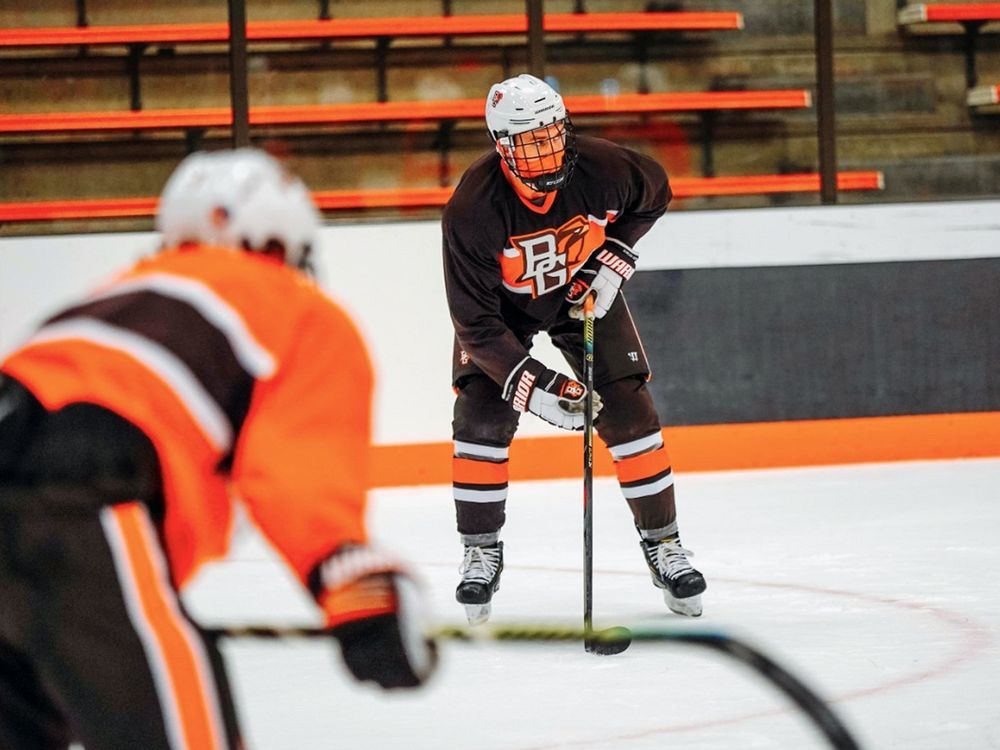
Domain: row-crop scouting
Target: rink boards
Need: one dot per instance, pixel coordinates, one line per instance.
(777, 336)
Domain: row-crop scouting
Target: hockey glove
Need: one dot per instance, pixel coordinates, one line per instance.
(558, 400)
(603, 273)
(375, 610)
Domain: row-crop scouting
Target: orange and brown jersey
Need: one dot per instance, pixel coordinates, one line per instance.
(248, 381)
(508, 262)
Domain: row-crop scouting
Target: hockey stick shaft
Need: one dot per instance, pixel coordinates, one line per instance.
(821, 715)
(614, 640)
(588, 464)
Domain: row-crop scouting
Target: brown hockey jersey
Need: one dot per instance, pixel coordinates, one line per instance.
(508, 262)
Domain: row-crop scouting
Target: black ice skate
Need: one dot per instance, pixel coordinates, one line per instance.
(481, 568)
(668, 565)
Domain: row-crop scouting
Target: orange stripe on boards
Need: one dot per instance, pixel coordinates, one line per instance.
(196, 706)
(755, 445)
(470, 471)
(636, 468)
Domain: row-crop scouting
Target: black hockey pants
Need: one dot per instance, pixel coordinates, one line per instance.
(484, 426)
(95, 646)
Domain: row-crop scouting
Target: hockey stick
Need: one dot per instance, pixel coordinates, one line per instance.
(821, 715)
(613, 640)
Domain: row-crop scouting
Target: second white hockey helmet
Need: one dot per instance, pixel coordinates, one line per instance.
(242, 199)
(520, 105)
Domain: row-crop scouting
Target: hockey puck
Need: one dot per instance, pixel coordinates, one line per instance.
(608, 642)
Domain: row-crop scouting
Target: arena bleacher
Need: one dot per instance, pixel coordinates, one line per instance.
(362, 87)
(968, 19)
(814, 390)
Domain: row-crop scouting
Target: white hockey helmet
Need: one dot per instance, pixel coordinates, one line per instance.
(519, 105)
(242, 199)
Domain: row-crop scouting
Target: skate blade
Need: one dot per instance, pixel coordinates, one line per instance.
(688, 607)
(477, 614)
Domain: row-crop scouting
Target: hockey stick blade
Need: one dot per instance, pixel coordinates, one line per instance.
(608, 642)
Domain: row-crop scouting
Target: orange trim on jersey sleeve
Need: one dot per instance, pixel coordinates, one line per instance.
(188, 674)
(644, 466)
(357, 601)
(471, 471)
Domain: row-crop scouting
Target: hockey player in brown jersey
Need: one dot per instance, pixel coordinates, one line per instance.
(213, 369)
(532, 228)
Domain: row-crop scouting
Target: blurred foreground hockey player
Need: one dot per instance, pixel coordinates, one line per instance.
(214, 368)
(532, 228)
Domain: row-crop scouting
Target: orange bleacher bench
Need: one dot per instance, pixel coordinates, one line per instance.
(972, 18)
(359, 28)
(220, 117)
(947, 13)
(339, 200)
(983, 96)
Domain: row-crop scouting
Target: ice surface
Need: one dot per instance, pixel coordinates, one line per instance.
(876, 584)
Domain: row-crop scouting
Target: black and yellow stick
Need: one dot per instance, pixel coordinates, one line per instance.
(613, 640)
(807, 701)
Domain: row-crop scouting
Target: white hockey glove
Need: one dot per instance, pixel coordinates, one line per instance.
(374, 608)
(603, 273)
(559, 400)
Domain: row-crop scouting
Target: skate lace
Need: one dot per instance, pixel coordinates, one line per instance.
(480, 564)
(671, 558)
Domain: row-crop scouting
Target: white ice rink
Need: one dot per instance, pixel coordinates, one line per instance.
(876, 584)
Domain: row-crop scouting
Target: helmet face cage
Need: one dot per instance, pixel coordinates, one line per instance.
(542, 158)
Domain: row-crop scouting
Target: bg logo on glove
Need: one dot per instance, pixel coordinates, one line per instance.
(573, 390)
(559, 400)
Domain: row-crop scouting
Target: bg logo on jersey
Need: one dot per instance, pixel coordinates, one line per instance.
(539, 262)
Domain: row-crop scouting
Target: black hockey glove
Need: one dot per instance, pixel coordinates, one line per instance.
(603, 273)
(559, 400)
(375, 610)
